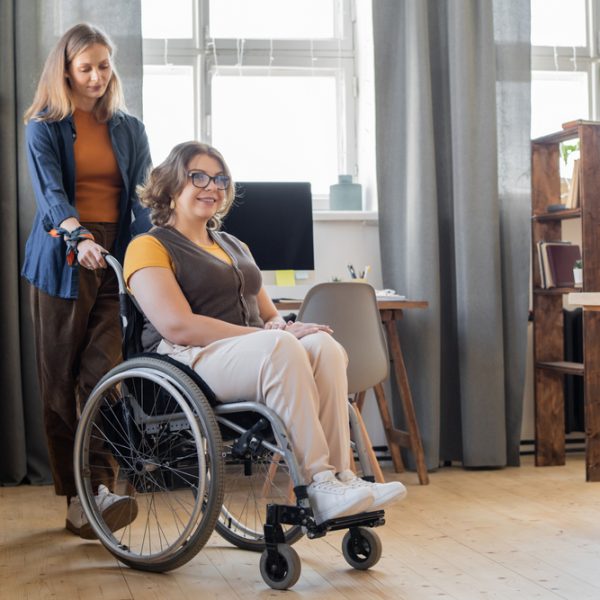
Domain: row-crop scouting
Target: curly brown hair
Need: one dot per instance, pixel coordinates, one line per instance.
(168, 179)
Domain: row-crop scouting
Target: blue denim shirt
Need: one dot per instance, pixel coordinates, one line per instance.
(52, 169)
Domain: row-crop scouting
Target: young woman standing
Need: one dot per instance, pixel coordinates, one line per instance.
(86, 156)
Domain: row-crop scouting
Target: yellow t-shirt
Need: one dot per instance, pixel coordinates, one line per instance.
(147, 251)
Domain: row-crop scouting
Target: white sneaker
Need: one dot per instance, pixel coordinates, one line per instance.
(383, 493)
(117, 511)
(329, 498)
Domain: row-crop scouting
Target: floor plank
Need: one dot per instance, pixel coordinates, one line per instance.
(506, 534)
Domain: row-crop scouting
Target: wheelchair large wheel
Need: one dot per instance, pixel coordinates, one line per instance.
(149, 419)
(251, 484)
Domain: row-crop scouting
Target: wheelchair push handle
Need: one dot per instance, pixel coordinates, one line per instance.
(127, 304)
(115, 265)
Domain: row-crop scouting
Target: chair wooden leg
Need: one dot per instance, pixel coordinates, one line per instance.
(352, 462)
(266, 490)
(377, 472)
(359, 400)
(388, 428)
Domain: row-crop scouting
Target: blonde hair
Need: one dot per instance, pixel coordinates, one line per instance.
(53, 93)
(168, 179)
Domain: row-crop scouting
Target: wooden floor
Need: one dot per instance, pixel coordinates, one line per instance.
(517, 533)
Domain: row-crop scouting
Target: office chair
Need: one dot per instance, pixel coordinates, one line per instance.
(350, 308)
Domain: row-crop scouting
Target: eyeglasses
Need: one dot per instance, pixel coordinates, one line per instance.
(201, 180)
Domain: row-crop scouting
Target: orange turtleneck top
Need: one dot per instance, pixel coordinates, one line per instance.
(98, 180)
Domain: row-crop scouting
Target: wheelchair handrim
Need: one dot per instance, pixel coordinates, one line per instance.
(81, 441)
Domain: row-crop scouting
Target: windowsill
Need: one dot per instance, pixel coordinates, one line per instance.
(345, 215)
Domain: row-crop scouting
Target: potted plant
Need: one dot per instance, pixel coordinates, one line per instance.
(578, 273)
(568, 153)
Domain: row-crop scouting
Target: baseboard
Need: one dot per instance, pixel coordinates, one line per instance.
(574, 444)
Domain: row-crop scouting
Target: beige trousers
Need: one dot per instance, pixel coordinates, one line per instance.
(304, 381)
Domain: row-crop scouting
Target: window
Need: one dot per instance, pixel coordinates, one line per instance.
(565, 63)
(271, 83)
(568, 91)
(558, 23)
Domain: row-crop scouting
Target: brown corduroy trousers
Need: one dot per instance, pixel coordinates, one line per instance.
(77, 342)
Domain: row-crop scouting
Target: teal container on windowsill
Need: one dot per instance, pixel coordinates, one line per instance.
(345, 195)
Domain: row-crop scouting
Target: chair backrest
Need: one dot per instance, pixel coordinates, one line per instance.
(351, 311)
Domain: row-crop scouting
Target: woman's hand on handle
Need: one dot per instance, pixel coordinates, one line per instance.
(91, 255)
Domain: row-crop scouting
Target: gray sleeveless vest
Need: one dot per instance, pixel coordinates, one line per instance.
(211, 287)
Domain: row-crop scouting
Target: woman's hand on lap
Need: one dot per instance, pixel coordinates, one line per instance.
(275, 323)
(301, 330)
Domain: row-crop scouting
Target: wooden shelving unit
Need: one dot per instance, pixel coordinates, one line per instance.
(549, 364)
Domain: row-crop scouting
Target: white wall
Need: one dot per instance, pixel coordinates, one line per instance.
(338, 243)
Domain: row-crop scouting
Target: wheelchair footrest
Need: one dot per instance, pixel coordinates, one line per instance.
(370, 519)
(278, 514)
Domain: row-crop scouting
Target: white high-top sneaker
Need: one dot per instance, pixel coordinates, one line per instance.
(383, 493)
(330, 499)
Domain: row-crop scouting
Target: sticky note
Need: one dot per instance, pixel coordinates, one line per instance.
(285, 278)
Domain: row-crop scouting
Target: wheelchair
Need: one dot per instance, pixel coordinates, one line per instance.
(195, 466)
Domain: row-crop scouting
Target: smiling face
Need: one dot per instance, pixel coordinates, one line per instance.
(195, 204)
(89, 75)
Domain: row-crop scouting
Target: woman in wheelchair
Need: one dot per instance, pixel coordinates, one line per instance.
(205, 305)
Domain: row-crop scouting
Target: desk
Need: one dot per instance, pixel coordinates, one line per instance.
(392, 311)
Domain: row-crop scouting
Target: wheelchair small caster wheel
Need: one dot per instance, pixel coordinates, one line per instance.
(282, 570)
(362, 548)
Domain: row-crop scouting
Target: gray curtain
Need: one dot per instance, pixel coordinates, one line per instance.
(453, 120)
(27, 32)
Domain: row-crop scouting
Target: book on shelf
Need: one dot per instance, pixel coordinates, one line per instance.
(556, 260)
(561, 259)
(573, 196)
(547, 281)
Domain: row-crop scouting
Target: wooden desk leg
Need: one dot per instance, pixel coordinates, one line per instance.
(407, 403)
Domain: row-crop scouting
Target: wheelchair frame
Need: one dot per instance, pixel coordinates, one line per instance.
(168, 437)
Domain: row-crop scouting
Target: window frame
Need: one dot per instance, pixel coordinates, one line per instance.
(576, 58)
(291, 57)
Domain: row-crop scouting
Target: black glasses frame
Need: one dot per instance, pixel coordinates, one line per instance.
(222, 182)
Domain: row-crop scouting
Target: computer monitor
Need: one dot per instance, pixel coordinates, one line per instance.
(275, 220)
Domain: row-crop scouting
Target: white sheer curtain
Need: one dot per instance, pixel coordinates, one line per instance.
(453, 113)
